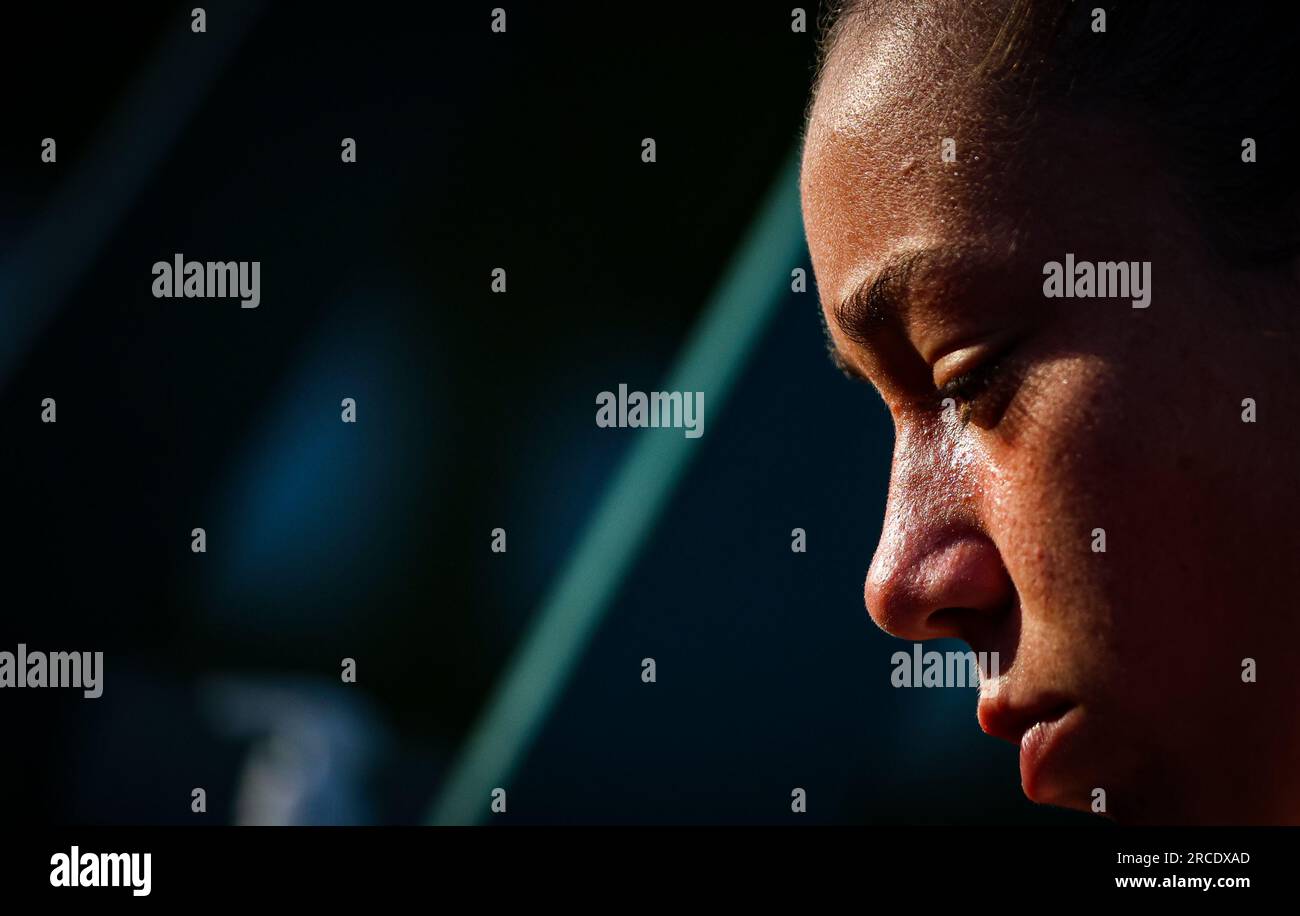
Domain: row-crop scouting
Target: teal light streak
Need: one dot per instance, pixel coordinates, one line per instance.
(754, 284)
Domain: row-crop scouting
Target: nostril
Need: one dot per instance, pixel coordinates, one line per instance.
(993, 630)
(946, 621)
(973, 627)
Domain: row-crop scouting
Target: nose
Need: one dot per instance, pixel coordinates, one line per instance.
(936, 572)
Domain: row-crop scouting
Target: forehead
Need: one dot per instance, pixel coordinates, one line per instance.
(903, 56)
(1024, 181)
(874, 181)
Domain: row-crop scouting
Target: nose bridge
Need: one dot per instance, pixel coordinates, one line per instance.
(930, 537)
(929, 494)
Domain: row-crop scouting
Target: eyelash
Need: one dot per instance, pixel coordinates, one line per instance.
(969, 392)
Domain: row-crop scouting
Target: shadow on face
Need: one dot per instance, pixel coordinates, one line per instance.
(1092, 407)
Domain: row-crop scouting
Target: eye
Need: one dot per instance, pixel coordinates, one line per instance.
(981, 394)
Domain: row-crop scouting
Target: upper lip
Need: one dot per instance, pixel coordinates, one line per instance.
(1006, 719)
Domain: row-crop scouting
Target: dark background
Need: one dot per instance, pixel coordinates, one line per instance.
(476, 410)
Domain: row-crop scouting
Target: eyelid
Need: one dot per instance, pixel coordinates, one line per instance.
(958, 363)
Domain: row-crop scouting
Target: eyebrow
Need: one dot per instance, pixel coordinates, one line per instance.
(836, 357)
(877, 301)
(881, 297)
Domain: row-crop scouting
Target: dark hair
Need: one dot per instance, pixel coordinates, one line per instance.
(1200, 78)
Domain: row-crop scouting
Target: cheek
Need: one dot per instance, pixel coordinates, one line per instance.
(1051, 473)
(1108, 447)
(1089, 509)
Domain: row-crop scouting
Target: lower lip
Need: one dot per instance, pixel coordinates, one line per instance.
(1040, 746)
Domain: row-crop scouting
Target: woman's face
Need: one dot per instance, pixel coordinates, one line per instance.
(1078, 414)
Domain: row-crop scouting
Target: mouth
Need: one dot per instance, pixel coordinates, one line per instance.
(1042, 728)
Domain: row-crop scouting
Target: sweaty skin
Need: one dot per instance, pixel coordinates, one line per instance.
(1097, 416)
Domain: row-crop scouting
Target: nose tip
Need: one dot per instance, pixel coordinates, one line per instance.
(884, 603)
(943, 593)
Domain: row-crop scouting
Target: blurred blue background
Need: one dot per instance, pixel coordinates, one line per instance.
(475, 411)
